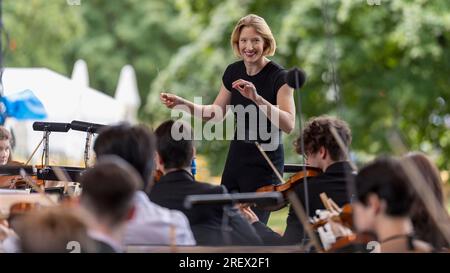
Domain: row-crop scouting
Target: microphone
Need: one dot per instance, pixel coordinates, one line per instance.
(295, 78)
(51, 126)
(85, 126)
(260, 198)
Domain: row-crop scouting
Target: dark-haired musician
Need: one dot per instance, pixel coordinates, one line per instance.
(177, 182)
(322, 151)
(384, 198)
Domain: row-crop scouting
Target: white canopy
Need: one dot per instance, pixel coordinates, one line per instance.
(64, 100)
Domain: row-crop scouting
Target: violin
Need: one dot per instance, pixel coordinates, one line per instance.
(292, 181)
(21, 208)
(345, 217)
(290, 184)
(8, 222)
(13, 179)
(358, 242)
(349, 243)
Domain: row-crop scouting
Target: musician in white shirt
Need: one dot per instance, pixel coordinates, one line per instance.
(151, 224)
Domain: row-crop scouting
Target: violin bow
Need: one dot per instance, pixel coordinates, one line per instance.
(62, 176)
(295, 202)
(269, 162)
(36, 187)
(35, 150)
(341, 145)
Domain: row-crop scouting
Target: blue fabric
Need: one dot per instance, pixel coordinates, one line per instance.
(193, 167)
(23, 105)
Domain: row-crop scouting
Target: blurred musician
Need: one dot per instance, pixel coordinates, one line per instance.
(384, 201)
(5, 154)
(425, 228)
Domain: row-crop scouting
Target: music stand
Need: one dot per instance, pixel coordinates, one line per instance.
(259, 198)
(228, 200)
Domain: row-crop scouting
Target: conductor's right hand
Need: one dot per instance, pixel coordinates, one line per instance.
(170, 100)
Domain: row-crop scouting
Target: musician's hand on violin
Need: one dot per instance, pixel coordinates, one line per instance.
(170, 100)
(246, 88)
(248, 214)
(12, 184)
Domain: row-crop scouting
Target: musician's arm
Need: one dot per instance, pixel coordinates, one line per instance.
(215, 111)
(285, 110)
(268, 236)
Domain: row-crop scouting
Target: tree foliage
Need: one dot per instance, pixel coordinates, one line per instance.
(391, 61)
(39, 33)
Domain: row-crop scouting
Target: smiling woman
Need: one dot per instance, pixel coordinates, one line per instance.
(257, 86)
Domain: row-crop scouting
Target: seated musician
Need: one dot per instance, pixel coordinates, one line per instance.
(177, 182)
(151, 224)
(384, 200)
(54, 230)
(424, 227)
(108, 190)
(5, 154)
(322, 151)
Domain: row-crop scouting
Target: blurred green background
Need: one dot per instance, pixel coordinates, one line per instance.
(392, 61)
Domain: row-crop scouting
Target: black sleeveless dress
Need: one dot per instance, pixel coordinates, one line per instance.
(246, 169)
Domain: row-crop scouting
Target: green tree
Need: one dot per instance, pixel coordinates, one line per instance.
(40, 33)
(391, 62)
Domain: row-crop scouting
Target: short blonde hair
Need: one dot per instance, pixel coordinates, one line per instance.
(261, 27)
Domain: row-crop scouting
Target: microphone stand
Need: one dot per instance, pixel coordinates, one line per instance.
(302, 147)
(90, 129)
(87, 147)
(46, 151)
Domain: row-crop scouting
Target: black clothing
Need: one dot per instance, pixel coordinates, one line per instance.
(205, 220)
(103, 247)
(245, 168)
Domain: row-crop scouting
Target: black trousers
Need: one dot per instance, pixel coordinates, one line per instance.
(246, 170)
